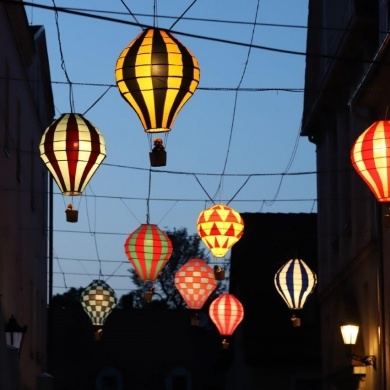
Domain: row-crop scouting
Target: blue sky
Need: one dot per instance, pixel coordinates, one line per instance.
(262, 122)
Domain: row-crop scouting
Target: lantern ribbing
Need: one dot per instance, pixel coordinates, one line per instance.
(295, 281)
(148, 249)
(195, 281)
(226, 312)
(72, 149)
(98, 300)
(220, 227)
(156, 74)
(370, 157)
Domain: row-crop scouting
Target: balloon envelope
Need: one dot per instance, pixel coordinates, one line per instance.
(156, 74)
(226, 312)
(295, 281)
(370, 157)
(220, 227)
(195, 281)
(72, 149)
(148, 249)
(98, 301)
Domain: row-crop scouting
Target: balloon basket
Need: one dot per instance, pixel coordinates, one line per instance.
(72, 215)
(296, 322)
(386, 220)
(148, 296)
(219, 273)
(225, 344)
(195, 321)
(158, 158)
(98, 334)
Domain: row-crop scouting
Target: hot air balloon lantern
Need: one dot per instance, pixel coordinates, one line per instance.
(295, 281)
(72, 149)
(220, 227)
(195, 281)
(226, 312)
(148, 249)
(98, 301)
(156, 74)
(370, 158)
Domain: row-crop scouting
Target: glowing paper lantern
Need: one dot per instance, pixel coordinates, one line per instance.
(370, 156)
(72, 149)
(148, 249)
(220, 227)
(195, 281)
(295, 281)
(226, 312)
(156, 75)
(98, 300)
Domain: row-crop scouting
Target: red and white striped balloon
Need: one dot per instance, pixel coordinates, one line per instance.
(226, 312)
(72, 149)
(370, 157)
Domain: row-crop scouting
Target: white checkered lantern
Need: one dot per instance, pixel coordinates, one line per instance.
(98, 301)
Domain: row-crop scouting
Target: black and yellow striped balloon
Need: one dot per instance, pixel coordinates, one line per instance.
(156, 75)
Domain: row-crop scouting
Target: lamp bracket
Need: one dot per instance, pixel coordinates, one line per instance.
(367, 360)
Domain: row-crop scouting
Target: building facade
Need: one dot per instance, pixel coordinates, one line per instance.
(346, 90)
(26, 108)
(270, 352)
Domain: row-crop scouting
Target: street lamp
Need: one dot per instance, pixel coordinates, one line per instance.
(14, 333)
(350, 333)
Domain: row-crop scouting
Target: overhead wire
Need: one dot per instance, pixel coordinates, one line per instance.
(63, 65)
(197, 36)
(150, 171)
(129, 11)
(235, 101)
(182, 15)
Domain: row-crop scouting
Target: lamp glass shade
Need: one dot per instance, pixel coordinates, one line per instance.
(148, 249)
(370, 156)
(72, 149)
(195, 281)
(98, 301)
(220, 227)
(295, 281)
(156, 74)
(349, 333)
(14, 333)
(226, 312)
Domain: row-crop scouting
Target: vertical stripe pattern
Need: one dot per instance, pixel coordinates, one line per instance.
(72, 149)
(98, 301)
(156, 75)
(220, 227)
(195, 281)
(148, 249)
(370, 157)
(294, 281)
(226, 312)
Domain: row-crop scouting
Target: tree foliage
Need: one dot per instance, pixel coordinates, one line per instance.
(185, 247)
(69, 299)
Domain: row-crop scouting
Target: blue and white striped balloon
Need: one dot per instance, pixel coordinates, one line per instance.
(295, 281)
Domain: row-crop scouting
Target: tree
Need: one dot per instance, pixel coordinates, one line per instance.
(68, 299)
(165, 293)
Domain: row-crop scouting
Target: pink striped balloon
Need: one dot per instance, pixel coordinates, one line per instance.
(72, 149)
(370, 157)
(226, 312)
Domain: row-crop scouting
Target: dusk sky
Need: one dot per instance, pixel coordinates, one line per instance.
(236, 141)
